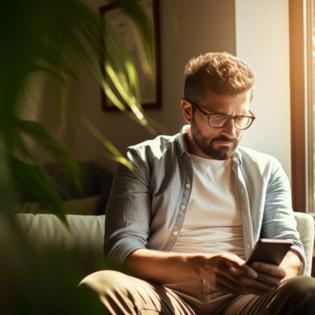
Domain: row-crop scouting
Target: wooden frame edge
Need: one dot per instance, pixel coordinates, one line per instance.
(297, 83)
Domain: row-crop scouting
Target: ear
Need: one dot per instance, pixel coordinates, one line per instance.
(186, 110)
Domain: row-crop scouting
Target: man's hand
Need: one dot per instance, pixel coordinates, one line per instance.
(275, 275)
(222, 271)
(230, 273)
(290, 267)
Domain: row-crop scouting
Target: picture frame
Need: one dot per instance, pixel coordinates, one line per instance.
(150, 86)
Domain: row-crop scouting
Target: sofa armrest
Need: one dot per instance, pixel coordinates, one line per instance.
(305, 226)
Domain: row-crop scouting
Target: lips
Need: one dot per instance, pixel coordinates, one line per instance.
(224, 141)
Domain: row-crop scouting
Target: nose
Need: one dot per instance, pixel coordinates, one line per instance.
(229, 129)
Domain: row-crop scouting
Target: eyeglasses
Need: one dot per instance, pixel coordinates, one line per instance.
(241, 122)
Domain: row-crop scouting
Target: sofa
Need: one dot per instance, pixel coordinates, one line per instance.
(86, 235)
(41, 267)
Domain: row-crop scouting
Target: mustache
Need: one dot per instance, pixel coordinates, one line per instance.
(224, 138)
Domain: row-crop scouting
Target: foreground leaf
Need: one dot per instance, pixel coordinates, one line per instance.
(34, 183)
(61, 155)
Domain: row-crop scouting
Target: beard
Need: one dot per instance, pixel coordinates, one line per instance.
(222, 152)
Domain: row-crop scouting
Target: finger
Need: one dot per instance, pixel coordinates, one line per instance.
(231, 274)
(272, 270)
(243, 279)
(249, 271)
(257, 285)
(226, 287)
(232, 259)
(242, 268)
(269, 280)
(229, 277)
(234, 278)
(243, 271)
(225, 283)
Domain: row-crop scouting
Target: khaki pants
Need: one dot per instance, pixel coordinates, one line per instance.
(123, 294)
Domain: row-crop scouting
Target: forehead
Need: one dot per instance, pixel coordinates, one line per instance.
(228, 104)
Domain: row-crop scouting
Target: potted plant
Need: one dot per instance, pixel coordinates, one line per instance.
(37, 36)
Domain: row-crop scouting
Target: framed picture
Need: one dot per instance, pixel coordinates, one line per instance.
(149, 82)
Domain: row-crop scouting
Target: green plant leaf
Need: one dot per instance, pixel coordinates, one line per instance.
(52, 31)
(7, 191)
(114, 152)
(32, 182)
(137, 14)
(61, 155)
(117, 62)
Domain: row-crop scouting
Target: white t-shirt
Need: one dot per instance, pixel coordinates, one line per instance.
(212, 223)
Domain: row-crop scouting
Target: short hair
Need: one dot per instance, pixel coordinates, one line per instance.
(218, 72)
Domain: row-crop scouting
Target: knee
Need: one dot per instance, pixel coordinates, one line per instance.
(300, 294)
(301, 286)
(112, 290)
(105, 281)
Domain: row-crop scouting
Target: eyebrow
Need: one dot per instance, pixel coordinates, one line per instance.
(215, 112)
(221, 113)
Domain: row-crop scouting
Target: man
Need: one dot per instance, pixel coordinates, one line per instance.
(186, 216)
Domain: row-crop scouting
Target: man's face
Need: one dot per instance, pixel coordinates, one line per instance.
(215, 143)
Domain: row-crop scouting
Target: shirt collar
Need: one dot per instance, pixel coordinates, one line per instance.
(181, 140)
(237, 158)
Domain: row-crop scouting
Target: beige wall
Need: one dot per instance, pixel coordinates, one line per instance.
(262, 38)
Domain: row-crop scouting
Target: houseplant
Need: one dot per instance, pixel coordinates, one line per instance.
(38, 36)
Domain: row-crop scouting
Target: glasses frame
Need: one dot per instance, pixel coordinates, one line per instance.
(228, 117)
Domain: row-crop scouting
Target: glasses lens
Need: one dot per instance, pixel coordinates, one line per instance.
(243, 122)
(217, 121)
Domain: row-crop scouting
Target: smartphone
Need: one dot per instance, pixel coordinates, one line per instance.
(270, 251)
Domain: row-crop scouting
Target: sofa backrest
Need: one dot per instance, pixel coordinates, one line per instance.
(86, 233)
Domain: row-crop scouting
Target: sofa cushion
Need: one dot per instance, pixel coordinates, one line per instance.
(46, 231)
